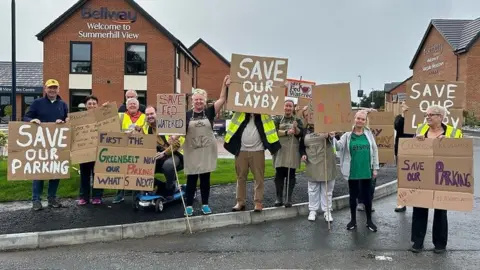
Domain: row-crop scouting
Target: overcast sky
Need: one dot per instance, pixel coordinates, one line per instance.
(325, 41)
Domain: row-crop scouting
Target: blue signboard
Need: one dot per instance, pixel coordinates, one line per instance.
(22, 89)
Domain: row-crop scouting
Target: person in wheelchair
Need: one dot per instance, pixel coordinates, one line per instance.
(164, 158)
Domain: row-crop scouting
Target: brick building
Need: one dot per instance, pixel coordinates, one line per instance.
(395, 92)
(105, 47)
(213, 69)
(450, 51)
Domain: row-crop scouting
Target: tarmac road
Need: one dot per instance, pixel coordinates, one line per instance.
(222, 199)
(287, 244)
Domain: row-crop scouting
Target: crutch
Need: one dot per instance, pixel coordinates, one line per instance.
(179, 188)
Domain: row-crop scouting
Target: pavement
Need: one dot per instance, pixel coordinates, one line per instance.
(287, 244)
(222, 199)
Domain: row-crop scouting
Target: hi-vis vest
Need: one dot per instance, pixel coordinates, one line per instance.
(268, 127)
(451, 132)
(181, 138)
(126, 122)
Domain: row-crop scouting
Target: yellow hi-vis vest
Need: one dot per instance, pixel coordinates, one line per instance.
(126, 122)
(451, 132)
(181, 138)
(268, 127)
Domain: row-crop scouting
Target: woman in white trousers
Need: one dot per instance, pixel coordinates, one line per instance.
(318, 153)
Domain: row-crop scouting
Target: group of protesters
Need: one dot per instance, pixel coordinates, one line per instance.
(291, 139)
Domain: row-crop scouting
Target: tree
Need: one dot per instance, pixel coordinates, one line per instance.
(354, 104)
(378, 98)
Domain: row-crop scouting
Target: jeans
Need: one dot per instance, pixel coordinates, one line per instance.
(166, 167)
(86, 172)
(37, 189)
(192, 187)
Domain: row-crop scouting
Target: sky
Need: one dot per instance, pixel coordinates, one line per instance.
(324, 41)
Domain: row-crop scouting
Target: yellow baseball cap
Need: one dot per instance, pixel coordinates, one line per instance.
(52, 82)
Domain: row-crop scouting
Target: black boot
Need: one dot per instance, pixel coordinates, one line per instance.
(291, 186)
(279, 191)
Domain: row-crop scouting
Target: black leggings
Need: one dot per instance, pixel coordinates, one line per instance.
(192, 187)
(360, 188)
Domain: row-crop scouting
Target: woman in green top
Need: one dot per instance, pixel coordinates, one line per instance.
(359, 163)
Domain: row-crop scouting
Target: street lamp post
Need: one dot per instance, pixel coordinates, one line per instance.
(13, 99)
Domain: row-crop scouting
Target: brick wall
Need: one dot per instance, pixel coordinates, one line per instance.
(472, 78)
(108, 56)
(211, 72)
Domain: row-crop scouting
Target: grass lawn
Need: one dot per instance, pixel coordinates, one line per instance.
(22, 190)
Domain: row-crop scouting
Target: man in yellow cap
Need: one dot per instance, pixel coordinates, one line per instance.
(49, 109)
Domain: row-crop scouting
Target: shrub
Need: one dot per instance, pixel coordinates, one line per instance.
(3, 138)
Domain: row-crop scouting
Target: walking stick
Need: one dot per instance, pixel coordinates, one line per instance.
(326, 180)
(179, 188)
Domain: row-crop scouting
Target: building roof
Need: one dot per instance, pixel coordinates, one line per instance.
(389, 87)
(29, 74)
(201, 41)
(57, 22)
(459, 34)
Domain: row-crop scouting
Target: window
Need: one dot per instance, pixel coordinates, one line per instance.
(135, 59)
(81, 57)
(27, 100)
(141, 96)
(5, 108)
(77, 99)
(178, 65)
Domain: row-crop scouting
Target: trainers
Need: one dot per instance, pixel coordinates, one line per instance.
(82, 202)
(54, 203)
(328, 216)
(312, 216)
(372, 227)
(439, 250)
(189, 211)
(37, 205)
(206, 210)
(118, 199)
(97, 201)
(351, 225)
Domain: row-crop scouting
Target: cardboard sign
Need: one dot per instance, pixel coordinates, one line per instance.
(125, 161)
(381, 124)
(420, 96)
(436, 173)
(85, 127)
(332, 107)
(38, 152)
(171, 114)
(299, 89)
(257, 84)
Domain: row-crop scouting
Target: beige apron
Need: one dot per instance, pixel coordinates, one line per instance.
(289, 155)
(200, 148)
(315, 149)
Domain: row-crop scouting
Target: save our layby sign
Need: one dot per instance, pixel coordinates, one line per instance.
(257, 84)
(436, 173)
(381, 125)
(38, 151)
(421, 95)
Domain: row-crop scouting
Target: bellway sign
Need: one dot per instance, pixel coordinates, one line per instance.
(121, 16)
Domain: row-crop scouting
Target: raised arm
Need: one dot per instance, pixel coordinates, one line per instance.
(223, 95)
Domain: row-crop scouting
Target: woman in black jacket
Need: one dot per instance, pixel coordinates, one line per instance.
(399, 126)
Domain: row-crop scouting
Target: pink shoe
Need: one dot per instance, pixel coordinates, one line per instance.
(82, 202)
(96, 201)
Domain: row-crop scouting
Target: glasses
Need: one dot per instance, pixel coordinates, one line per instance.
(430, 115)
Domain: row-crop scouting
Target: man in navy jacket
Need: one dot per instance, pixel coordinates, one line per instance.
(48, 109)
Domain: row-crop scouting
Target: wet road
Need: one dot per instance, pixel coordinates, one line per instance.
(222, 199)
(288, 244)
